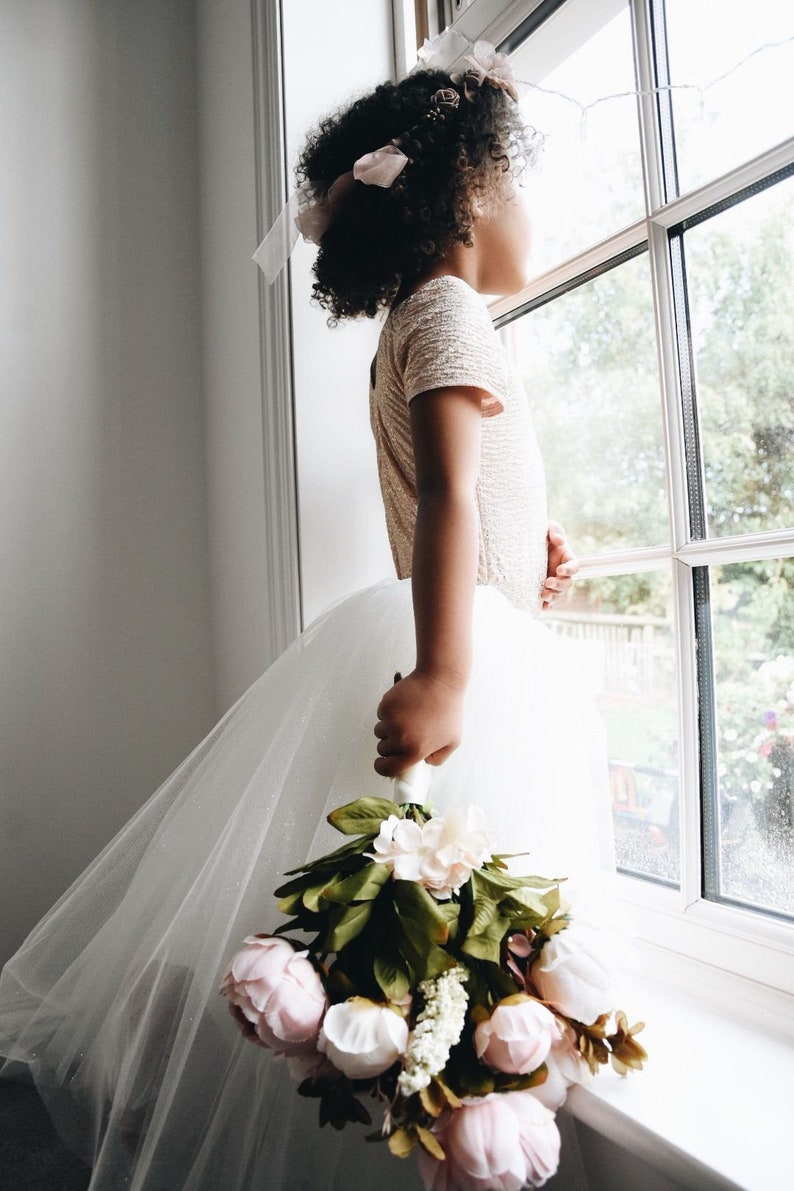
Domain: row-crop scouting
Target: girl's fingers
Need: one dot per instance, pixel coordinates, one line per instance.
(389, 750)
(393, 766)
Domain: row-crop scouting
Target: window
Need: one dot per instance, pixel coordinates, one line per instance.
(656, 342)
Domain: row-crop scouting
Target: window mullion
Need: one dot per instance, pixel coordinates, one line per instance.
(650, 129)
(750, 547)
(623, 245)
(655, 138)
(689, 746)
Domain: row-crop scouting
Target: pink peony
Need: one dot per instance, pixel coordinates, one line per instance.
(276, 995)
(501, 1142)
(575, 972)
(518, 1035)
(564, 1065)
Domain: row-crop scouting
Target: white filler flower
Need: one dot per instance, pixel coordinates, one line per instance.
(438, 1028)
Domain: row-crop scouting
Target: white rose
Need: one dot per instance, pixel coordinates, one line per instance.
(361, 1038)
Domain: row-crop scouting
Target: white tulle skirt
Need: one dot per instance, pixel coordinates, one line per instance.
(112, 1002)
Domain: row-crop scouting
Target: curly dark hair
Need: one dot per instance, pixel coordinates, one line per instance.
(382, 240)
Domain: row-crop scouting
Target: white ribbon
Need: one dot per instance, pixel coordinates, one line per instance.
(309, 210)
(380, 167)
(273, 253)
(413, 785)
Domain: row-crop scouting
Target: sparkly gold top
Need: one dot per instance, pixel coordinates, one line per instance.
(439, 336)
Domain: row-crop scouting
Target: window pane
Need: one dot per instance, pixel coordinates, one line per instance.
(589, 183)
(740, 268)
(588, 362)
(747, 111)
(628, 618)
(753, 626)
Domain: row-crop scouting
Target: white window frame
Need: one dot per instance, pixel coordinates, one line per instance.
(733, 958)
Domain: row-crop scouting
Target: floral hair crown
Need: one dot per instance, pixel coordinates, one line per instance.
(310, 209)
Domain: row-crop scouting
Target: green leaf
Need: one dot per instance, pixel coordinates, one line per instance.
(526, 906)
(303, 897)
(332, 862)
(501, 881)
(415, 903)
(365, 885)
(485, 910)
(487, 945)
(362, 817)
(425, 959)
(451, 913)
(392, 977)
(344, 923)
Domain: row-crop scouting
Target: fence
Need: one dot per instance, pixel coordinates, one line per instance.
(637, 651)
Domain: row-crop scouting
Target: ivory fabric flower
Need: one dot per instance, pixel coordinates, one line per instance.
(518, 1035)
(399, 845)
(501, 1142)
(441, 854)
(361, 1038)
(574, 972)
(454, 844)
(276, 995)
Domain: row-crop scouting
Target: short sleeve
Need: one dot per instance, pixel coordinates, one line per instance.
(447, 339)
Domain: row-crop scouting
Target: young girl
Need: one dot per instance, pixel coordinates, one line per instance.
(112, 1003)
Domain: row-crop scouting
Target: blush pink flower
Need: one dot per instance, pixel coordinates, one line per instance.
(276, 995)
(518, 1035)
(575, 972)
(564, 1065)
(501, 1142)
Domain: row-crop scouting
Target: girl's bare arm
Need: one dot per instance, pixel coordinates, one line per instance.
(420, 717)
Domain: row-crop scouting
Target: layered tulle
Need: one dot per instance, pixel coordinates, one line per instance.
(112, 1003)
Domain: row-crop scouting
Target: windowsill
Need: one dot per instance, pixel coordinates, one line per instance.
(711, 1110)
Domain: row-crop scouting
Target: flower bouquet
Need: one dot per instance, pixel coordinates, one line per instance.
(464, 999)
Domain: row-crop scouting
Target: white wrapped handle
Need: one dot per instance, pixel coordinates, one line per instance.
(413, 785)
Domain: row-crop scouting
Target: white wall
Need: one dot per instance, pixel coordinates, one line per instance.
(105, 662)
(230, 349)
(343, 543)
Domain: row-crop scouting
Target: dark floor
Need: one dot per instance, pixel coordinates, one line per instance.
(32, 1156)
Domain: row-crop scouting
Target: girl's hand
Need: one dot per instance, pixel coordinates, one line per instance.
(563, 565)
(419, 719)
